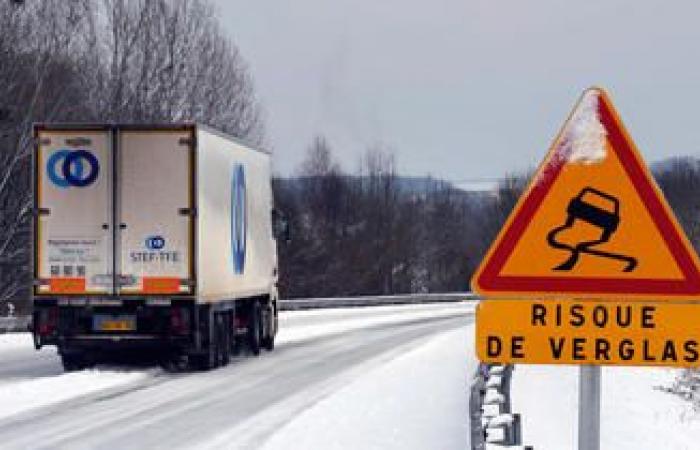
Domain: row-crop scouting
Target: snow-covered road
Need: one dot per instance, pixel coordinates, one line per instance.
(383, 375)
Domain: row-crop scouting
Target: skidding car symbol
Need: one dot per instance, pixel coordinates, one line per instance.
(606, 220)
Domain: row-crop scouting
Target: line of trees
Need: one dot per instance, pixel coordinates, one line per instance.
(103, 61)
(374, 232)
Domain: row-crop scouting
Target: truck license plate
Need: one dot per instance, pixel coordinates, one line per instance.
(114, 323)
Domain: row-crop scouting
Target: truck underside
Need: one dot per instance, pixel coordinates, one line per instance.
(179, 333)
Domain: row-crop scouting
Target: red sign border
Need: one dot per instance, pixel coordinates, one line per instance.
(490, 279)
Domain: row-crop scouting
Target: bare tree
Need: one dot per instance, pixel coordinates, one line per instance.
(399, 234)
(114, 60)
(37, 83)
(168, 61)
(678, 178)
(324, 186)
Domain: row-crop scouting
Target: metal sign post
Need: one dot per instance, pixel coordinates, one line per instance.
(589, 408)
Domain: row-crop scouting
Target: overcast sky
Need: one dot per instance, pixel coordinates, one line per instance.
(466, 88)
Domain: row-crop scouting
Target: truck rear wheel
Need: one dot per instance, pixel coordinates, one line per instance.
(176, 362)
(254, 329)
(268, 342)
(223, 325)
(210, 355)
(74, 361)
(210, 359)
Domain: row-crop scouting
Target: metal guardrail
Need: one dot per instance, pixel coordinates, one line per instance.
(383, 300)
(20, 323)
(493, 424)
(15, 323)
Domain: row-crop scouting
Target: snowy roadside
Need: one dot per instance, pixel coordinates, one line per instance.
(302, 325)
(15, 341)
(637, 414)
(418, 400)
(31, 380)
(23, 396)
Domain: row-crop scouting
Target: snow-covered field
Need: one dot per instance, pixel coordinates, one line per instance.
(635, 415)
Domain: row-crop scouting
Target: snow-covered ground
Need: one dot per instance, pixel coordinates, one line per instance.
(15, 341)
(636, 414)
(417, 401)
(378, 377)
(302, 325)
(49, 385)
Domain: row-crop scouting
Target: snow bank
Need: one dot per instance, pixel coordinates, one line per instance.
(502, 420)
(16, 398)
(15, 341)
(306, 324)
(493, 396)
(636, 414)
(417, 401)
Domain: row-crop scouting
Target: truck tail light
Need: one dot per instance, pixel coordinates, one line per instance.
(179, 320)
(48, 321)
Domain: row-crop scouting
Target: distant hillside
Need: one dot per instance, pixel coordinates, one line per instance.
(670, 164)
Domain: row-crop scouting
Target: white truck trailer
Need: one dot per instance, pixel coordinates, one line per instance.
(152, 239)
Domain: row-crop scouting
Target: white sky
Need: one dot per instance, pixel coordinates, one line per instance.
(466, 88)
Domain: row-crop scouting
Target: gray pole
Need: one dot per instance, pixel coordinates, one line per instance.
(589, 408)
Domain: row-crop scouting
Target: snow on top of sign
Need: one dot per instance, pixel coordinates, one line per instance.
(583, 138)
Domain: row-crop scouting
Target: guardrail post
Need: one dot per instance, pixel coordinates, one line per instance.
(477, 391)
(492, 420)
(507, 376)
(517, 430)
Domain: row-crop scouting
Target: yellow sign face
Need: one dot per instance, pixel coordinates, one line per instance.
(592, 223)
(588, 332)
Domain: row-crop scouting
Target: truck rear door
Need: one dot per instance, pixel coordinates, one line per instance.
(155, 198)
(73, 202)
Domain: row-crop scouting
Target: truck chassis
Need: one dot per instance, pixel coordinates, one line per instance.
(179, 333)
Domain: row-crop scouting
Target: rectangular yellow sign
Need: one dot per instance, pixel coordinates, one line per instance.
(588, 332)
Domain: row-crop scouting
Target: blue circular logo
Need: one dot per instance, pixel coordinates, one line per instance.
(155, 242)
(67, 168)
(238, 218)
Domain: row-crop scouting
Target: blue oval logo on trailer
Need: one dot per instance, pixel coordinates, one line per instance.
(238, 218)
(155, 242)
(72, 168)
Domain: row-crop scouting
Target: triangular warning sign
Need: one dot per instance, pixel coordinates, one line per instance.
(592, 223)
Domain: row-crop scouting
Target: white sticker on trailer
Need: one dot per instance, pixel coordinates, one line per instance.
(73, 253)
